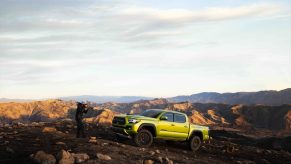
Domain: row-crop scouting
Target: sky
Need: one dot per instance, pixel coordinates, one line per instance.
(150, 48)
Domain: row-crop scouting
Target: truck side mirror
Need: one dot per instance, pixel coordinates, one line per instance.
(163, 118)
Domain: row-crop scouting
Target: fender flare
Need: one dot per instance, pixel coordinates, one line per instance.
(196, 131)
(148, 125)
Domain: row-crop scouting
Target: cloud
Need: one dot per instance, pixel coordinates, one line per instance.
(89, 16)
(109, 40)
(208, 14)
(26, 71)
(141, 23)
(152, 26)
(61, 30)
(62, 24)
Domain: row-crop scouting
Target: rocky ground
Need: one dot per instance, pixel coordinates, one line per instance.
(56, 143)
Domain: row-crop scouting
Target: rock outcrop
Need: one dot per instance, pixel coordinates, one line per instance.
(43, 158)
(80, 157)
(65, 157)
(35, 111)
(104, 117)
(103, 157)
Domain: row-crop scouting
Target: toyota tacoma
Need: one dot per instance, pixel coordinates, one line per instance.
(159, 124)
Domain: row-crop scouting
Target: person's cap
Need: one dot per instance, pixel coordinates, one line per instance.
(82, 102)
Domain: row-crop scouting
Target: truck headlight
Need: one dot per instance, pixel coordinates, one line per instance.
(133, 121)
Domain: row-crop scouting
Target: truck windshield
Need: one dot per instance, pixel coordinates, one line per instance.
(151, 113)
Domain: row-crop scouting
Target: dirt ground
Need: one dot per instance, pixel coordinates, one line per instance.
(18, 142)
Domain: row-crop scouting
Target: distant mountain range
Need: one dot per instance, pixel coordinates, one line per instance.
(103, 99)
(262, 97)
(270, 97)
(16, 100)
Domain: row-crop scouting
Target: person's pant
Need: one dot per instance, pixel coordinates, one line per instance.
(80, 129)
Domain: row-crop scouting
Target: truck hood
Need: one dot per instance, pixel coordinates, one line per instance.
(138, 117)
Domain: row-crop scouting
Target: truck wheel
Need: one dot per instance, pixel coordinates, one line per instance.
(195, 143)
(143, 138)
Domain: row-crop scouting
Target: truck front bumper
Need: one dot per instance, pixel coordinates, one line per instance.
(122, 132)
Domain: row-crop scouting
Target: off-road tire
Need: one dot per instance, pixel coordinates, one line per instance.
(195, 143)
(143, 138)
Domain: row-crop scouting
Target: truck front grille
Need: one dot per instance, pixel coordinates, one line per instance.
(118, 120)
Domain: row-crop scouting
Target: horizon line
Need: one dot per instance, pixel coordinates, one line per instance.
(152, 97)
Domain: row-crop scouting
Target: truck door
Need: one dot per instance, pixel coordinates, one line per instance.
(181, 128)
(166, 127)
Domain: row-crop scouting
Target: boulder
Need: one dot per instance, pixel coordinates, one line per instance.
(65, 157)
(104, 144)
(49, 129)
(80, 157)
(148, 161)
(60, 143)
(103, 157)
(92, 141)
(34, 124)
(152, 153)
(20, 124)
(168, 161)
(160, 159)
(43, 158)
(93, 138)
(142, 149)
(70, 126)
(6, 125)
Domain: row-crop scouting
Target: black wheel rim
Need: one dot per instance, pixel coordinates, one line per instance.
(195, 143)
(144, 138)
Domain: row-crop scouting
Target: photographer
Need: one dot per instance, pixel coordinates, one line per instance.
(81, 109)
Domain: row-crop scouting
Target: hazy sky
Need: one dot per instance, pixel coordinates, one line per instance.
(157, 48)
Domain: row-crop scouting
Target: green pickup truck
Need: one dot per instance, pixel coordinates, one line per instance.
(159, 124)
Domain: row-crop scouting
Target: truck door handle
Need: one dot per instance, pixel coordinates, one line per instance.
(172, 124)
(186, 126)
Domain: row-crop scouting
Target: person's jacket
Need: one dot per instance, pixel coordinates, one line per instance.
(79, 113)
